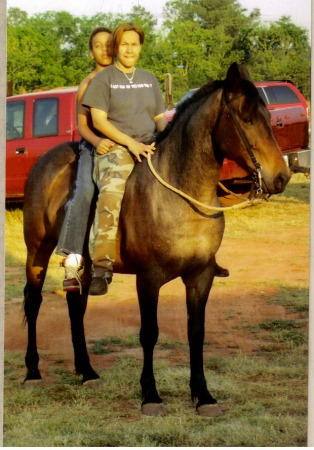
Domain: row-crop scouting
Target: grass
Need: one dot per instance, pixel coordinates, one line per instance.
(112, 344)
(288, 210)
(294, 298)
(263, 395)
(264, 399)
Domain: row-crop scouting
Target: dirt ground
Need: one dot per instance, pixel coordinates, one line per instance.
(241, 300)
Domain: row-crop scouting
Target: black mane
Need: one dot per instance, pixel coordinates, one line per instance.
(200, 94)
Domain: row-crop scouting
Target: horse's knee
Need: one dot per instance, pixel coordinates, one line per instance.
(149, 336)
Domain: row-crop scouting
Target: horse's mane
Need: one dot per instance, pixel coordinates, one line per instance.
(200, 94)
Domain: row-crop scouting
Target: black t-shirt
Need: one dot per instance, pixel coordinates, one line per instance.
(130, 106)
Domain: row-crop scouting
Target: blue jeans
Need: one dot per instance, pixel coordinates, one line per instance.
(73, 231)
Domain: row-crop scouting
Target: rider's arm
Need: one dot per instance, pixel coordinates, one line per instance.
(102, 145)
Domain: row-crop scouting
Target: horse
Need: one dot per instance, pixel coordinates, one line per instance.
(162, 234)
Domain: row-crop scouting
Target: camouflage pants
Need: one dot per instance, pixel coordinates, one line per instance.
(111, 172)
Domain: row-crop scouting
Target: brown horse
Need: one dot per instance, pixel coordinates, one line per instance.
(163, 235)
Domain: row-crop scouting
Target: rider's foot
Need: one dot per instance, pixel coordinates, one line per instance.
(221, 272)
(99, 285)
(73, 265)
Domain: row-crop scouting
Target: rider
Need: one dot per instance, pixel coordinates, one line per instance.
(74, 227)
(127, 107)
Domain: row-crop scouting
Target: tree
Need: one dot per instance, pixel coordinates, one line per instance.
(198, 42)
(280, 51)
(16, 17)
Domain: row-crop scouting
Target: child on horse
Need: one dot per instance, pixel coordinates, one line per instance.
(73, 232)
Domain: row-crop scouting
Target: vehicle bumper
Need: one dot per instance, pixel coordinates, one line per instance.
(300, 158)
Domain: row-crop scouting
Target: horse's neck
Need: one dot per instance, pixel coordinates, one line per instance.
(187, 159)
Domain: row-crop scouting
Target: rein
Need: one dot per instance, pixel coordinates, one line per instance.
(257, 171)
(242, 205)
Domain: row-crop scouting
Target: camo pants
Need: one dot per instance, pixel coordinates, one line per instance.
(111, 172)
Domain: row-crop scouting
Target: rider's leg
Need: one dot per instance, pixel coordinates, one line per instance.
(111, 173)
(74, 226)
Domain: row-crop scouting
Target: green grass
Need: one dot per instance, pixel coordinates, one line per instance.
(288, 210)
(294, 298)
(112, 344)
(279, 324)
(264, 402)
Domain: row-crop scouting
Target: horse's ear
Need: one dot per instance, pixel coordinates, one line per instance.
(233, 78)
(244, 72)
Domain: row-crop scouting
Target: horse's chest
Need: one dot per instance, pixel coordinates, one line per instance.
(182, 238)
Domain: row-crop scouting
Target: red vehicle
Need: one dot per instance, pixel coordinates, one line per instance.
(35, 123)
(38, 121)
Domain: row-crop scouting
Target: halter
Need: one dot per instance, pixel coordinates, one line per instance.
(257, 174)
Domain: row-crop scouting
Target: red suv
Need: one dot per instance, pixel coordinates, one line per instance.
(35, 123)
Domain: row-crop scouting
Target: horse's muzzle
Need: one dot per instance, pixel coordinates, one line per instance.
(279, 182)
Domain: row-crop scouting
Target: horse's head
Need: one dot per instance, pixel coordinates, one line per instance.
(244, 133)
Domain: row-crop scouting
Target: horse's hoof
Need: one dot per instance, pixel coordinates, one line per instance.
(209, 410)
(94, 384)
(30, 384)
(154, 409)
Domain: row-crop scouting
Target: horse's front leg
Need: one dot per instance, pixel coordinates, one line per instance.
(148, 292)
(197, 290)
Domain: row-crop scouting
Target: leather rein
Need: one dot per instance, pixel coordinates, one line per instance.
(257, 174)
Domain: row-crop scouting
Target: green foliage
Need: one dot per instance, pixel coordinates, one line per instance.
(280, 51)
(196, 43)
(264, 399)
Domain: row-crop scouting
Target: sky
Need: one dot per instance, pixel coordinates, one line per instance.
(298, 10)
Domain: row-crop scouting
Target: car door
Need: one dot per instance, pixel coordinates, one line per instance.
(288, 115)
(16, 144)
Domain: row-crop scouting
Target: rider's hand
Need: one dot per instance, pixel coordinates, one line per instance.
(103, 146)
(138, 149)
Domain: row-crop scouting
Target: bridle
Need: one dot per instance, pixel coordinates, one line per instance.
(225, 101)
(257, 174)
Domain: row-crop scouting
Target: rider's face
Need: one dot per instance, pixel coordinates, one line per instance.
(129, 49)
(99, 52)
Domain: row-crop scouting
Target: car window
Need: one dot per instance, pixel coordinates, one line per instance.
(15, 113)
(262, 94)
(280, 95)
(45, 117)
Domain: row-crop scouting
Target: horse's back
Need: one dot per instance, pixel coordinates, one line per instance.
(49, 185)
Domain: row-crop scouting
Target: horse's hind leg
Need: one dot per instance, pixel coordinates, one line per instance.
(197, 291)
(148, 292)
(77, 306)
(36, 268)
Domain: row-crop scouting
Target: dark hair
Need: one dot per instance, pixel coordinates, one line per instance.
(96, 31)
(117, 36)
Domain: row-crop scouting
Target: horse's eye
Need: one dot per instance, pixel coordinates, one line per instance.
(249, 121)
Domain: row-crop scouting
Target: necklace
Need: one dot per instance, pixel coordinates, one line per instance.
(129, 79)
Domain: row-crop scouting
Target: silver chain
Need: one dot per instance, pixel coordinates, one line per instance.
(129, 79)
